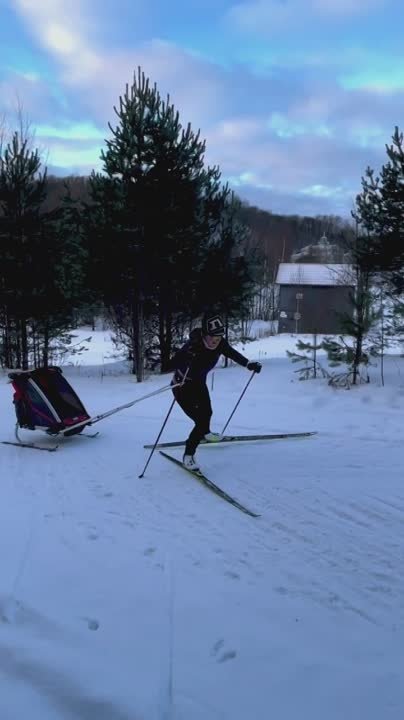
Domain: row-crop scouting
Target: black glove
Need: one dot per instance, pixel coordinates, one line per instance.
(254, 367)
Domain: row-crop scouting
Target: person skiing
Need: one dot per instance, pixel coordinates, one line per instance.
(192, 363)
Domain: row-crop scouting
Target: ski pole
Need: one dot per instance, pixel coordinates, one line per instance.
(97, 418)
(238, 403)
(158, 438)
(163, 426)
(133, 402)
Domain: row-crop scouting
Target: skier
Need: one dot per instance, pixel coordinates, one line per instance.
(193, 362)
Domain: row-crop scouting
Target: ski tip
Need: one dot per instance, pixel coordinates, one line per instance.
(29, 446)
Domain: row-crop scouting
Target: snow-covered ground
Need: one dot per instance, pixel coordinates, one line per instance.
(152, 599)
(100, 352)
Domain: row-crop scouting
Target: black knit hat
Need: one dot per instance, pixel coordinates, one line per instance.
(212, 325)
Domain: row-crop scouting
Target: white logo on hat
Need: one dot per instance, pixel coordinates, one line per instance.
(214, 324)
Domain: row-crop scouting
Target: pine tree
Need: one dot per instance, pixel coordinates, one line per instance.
(380, 213)
(154, 210)
(22, 191)
(226, 279)
(307, 354)
(41, 259)
(358, 322)
(61, 263)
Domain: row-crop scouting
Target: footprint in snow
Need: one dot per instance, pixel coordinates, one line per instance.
(229, 655)
(232, 575)
(8, 609)
(217, 646)
(92, 623)
(224, 656)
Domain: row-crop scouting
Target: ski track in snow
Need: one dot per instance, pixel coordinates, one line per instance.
(90, 548)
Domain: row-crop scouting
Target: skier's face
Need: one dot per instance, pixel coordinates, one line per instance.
(212, 341)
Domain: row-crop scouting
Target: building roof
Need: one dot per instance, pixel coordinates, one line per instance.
(315, 274)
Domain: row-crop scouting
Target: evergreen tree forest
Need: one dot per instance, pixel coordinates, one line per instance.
(157, 237)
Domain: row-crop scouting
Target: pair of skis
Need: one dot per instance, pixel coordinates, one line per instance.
(225, 439)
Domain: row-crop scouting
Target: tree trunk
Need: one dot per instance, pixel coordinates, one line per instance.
(16, 354)
(24, 344)
(35, 346)
(133, 354)
(362, 322)
(357, 357)
(45, 354)
(226, 334)
(7, 350)
(138, 338)
(165, 332)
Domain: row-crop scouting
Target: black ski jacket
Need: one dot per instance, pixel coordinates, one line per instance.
(196, 357)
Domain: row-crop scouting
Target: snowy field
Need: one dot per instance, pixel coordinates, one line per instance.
(153, 599)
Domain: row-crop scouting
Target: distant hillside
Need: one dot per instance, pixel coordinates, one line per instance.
(276, 237)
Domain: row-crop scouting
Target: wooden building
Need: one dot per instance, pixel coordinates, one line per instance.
(314, 297)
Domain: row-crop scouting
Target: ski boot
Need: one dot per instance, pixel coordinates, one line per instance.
(212, 437)
(190, 463)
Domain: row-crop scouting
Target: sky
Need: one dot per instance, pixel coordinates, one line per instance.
(295, 98)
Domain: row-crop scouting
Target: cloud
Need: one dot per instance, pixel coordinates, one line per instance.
(64, 29)
(296, 202)
(297, 162)
(70, 131)
(73, 154)
(381, 77)
(313, 152)
(36, 96)
(346, 7)
(66, 32)
(270, 16)
(290, 135)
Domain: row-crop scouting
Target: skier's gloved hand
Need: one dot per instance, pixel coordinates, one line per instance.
(254, 367)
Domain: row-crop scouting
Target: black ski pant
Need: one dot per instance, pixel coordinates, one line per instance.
(194, 399)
